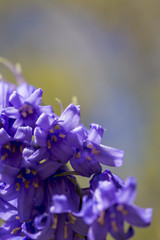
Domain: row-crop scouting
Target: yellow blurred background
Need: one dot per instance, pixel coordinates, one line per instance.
(107, 53)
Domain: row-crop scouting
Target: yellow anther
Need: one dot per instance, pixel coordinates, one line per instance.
(23, 179)
(51, 130)
(14, 148)
(49, 144)
(94, 151)
(24, 106)
(55, 221)
(114, 225)
(122, 210)
(15, 230)
(30, 110)
(26, 184)
(54, 138)
(28, 171)
(18, 186)
(33, 172)
(35, 185)
(100, 220)
(8, 146)
(4, 156)
(21, 148)
(72, 218)
(24, 114)
(62, 135)
(19, 175)
(88, 158)
(89, 145)
(42, 161)
(65, 232)
(78, 154)
(56, 127)
(17, 218)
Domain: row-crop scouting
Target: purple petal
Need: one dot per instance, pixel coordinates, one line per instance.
(109, 156)
(45, 121)
(84, 166)
(137, 216)
(89, 210)
(34, 156)
(6, 210)
(98, 231)
(25, 210)
(61, 225)
(16, 100)
(40, 137)
(30, 235)
(76, 137)
(95, 134)
(62, 152)
(47, 168)
(40, 195)
(5, 92)
(128, 192)
(18, 122)
(45, 109)
(60, 204)
(8, 173)
(25, 89)
(11, 112)
(70, 118)
(105, 194)
(80, 227)
(35, 97)
(23, 134)
(8, 193)
(4, 137)
(122, 235)
(17, 238)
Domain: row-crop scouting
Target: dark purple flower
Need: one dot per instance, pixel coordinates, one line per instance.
(26, 111)
(55, 135)
(108, 209)
(66, 204)
(88, 158)
(11, 149)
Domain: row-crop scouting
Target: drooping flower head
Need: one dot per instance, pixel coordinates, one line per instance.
(39, 196)
(109, 208)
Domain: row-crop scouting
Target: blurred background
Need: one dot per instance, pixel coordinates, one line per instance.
(107, 53)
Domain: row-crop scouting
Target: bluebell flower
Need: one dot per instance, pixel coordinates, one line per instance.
(54, 134)
(11, 149)
(55, 139)
(26, 111)
(108, 209)
(66, 205)
(88, 157)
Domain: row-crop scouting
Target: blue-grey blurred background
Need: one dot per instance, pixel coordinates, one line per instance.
(107, 53)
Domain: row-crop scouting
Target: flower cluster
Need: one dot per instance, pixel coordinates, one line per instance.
(39, 197)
